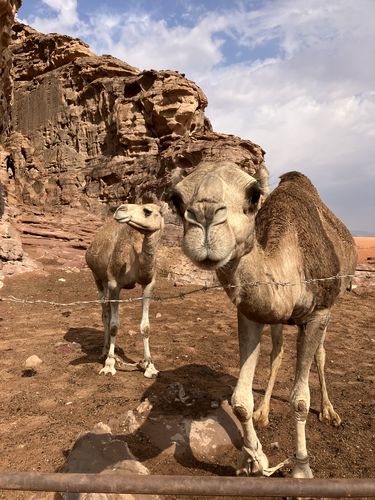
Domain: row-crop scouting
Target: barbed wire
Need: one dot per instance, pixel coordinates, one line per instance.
(180, 295)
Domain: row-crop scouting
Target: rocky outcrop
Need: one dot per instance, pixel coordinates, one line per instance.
(90, 131)
(11, 252)
(99, 452)
(8, 9)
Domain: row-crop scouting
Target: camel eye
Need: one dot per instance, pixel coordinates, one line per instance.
(253, 193)
(147, 212)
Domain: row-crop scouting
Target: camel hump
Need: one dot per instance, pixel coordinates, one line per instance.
(298, 178)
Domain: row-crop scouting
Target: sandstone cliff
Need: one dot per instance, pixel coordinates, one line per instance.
(90, 131)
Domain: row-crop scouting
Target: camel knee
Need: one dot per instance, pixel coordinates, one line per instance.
(300, 405)
(145, 330)
(243, 406)
(113, 329)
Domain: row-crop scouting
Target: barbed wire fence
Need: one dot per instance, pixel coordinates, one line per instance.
(179, 295)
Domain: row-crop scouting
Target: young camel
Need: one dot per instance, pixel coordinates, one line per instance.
(293, 238)
(122, 254)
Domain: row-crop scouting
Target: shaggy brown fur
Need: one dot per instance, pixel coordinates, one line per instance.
(324, 241)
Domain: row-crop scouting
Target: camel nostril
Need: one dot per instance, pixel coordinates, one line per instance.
(221, 210)
(190, 215)
(220, 215)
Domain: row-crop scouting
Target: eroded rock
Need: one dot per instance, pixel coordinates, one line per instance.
(100, 452)
(90, 131)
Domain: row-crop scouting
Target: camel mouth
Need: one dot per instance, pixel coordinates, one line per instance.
(122, 219)
(137, 225)
(211, 265)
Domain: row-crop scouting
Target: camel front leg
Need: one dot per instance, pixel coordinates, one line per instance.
(109, 365)
(147, 364)
(254, 461)
(262, 412)
(327, 413)
(309, 338)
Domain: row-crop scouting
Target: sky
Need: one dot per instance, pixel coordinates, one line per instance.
(296, 77)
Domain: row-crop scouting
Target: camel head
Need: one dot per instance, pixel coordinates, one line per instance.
(146, 218)
(217, 203)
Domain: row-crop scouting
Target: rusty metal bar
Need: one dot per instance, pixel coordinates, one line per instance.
(187, 485)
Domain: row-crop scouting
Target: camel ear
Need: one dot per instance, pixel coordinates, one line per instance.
(175, 202)
(253, 194)
(163, 209)
(176, 176)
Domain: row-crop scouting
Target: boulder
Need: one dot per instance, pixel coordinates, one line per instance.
(98, 451)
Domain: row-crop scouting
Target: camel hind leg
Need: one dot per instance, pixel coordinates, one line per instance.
(106, 313)
(327, 413)
(262, 412)
(310, 337)
(113, 321)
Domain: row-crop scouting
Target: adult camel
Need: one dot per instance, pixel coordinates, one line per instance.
(284, 263)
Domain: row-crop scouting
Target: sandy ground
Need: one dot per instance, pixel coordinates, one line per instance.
(194, 343)
(366, 248)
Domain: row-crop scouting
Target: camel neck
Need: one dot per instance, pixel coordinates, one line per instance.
(150, 243)
(147, 256)
(256, 263)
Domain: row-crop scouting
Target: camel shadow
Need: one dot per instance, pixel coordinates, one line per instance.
(180, 407)
(91, 342)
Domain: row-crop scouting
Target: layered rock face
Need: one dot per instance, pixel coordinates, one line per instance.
(8, 9)
(90, 131)
(10, 242)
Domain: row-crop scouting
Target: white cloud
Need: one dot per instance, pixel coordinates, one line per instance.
(309, 103)
(66, 19)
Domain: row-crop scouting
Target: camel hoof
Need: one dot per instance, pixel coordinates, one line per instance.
(150, 371)
(249, 466)
(301, 469)
(260, 416)
(109, 367)
(106, 370)
(329, 416)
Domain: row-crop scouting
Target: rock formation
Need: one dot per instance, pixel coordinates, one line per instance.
(90, 131)
(8, 9)
(10, 242)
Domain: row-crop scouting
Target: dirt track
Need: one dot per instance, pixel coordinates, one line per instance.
(193, 342)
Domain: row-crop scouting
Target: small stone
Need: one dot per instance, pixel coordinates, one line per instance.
(61, 279)
(158, 315)
(214, 404)
(199, 319)
(275, 445)
(101, 428)
(33, 362)
(132, 332)
(130, 424)
(144, 407)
